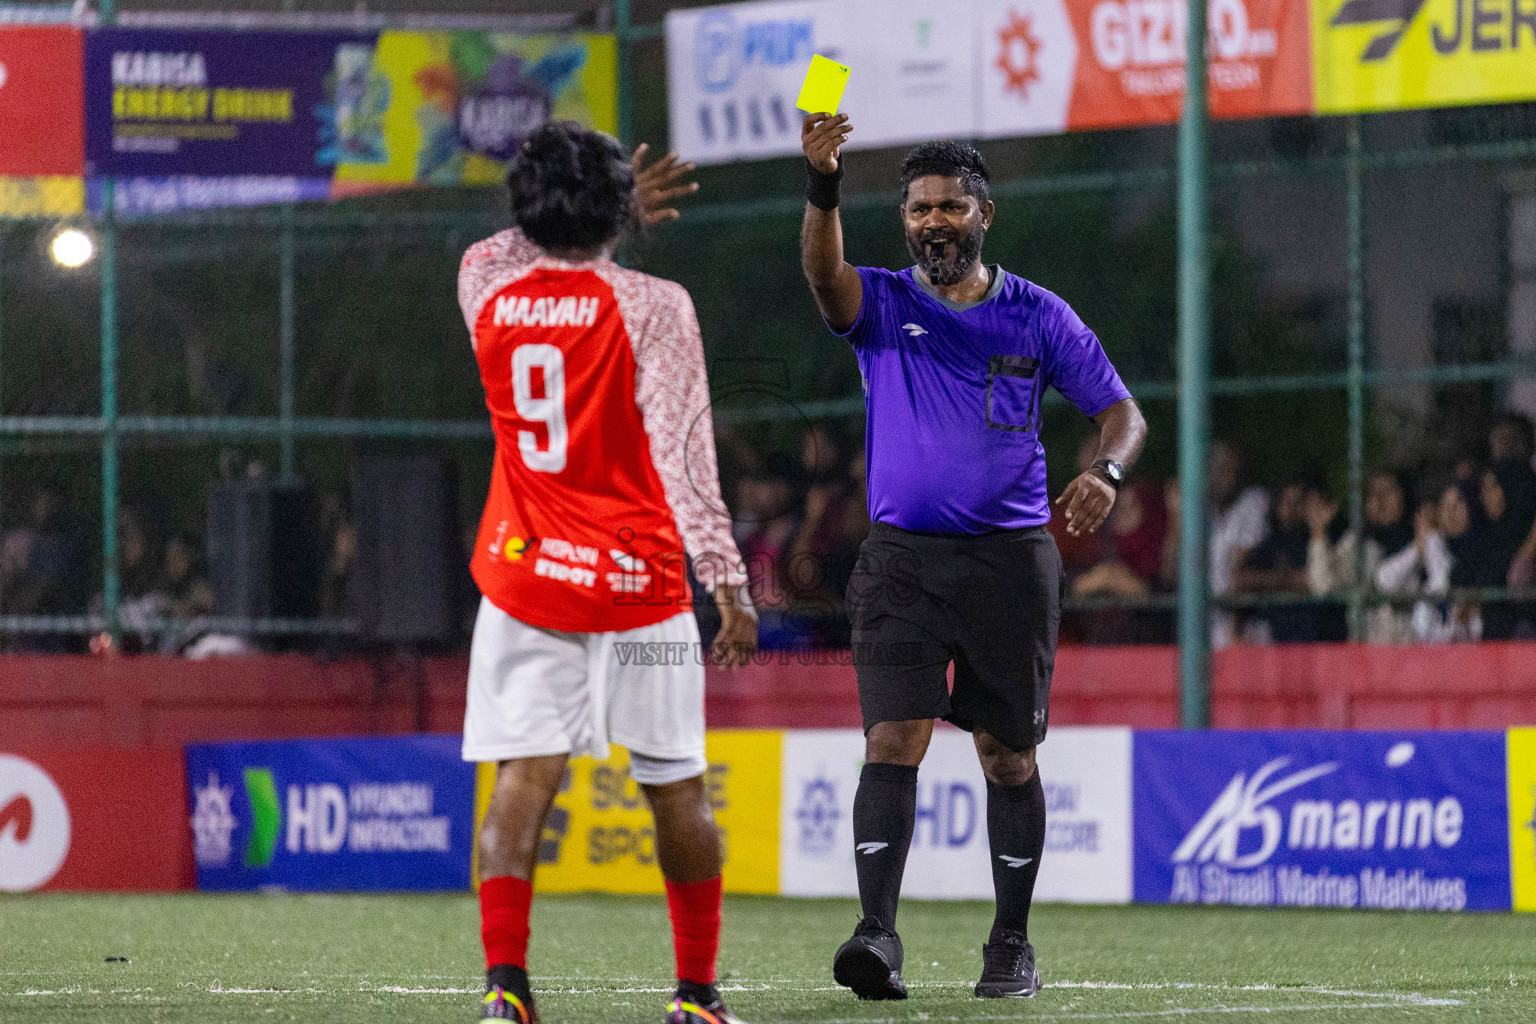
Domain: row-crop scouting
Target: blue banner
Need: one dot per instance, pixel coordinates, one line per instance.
(332, 815)
(163, 102)
(1371, 820)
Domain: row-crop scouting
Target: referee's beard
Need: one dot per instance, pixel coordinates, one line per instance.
(946, 256)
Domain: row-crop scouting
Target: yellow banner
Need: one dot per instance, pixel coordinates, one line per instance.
(51, 196)
(450, 107)
(1522, 817)
(1373, 55)
(600, 836)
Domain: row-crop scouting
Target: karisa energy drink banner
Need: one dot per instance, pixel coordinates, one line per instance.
(1385, 821)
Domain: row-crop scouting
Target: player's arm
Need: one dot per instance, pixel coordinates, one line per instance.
(834, 282)
(1089, 498)
(672, 392)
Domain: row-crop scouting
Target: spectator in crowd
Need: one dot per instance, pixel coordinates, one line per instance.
(136, 575)
(182, 593)
(834, 522)
(1507, 494)
(335, 600)
(41, 570)
(1279, 565)
(1131, 548)
(1388, 530)
(767, 524)
(1239, 522)
(1422, 569)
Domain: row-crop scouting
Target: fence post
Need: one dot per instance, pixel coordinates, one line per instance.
(621, 28)
(1194, 385)
(1355, 377)
(109, 496)
(285, 341)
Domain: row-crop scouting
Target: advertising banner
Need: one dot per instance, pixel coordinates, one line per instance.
(452, 107)
(329, 815)
(1422, 53)
(93, 819)
(924, 69)
(1522, 817)
(600, 836)
(163, 102)
(1069, 65)
(42, 99)
(1369, 820)
(1087, 856)
(42, 111)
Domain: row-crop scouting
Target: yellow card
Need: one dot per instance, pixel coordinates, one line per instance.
(823, 88)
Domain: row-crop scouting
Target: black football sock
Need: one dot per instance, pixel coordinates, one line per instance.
(1016, 829)
(508, 978)
(884, 811)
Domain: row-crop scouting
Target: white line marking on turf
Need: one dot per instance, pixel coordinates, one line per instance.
(1180, 1011)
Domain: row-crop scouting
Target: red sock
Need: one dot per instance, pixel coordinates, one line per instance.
(504, 920)
(695, 911)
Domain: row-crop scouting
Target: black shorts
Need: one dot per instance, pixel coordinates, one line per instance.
(990, 603)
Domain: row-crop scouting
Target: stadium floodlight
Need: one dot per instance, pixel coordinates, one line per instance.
(72, 248)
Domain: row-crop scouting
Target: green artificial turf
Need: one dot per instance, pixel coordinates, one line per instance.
(605, 958)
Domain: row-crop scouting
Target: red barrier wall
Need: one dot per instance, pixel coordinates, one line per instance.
(122, 825)
(151, 701)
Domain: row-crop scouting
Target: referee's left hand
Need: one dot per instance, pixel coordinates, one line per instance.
(1087, 500)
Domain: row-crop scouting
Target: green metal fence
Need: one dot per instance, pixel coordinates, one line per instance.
(1191, 177)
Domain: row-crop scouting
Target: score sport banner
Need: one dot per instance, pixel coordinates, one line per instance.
(970, 68)
(1364, 820)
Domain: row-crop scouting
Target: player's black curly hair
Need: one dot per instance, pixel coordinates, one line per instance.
(571, 187)
(948, 159)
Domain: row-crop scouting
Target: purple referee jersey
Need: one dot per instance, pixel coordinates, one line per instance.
(953, 395)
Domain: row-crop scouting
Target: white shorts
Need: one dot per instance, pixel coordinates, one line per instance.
(535, 692)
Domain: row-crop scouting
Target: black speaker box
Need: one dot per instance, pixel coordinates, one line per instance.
(265, 553)
(410, 561)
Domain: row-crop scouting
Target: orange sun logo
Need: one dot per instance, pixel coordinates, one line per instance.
(1018, 56)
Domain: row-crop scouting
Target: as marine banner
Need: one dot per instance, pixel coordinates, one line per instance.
(1361, 820)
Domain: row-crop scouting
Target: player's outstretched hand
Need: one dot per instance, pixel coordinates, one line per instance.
(657, 186)
(1087, 501)
(737, 640)
(822, 137)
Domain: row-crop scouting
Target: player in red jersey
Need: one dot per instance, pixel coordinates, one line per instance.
(604, 478)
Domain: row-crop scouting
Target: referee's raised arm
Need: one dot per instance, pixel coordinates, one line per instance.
(834, 282)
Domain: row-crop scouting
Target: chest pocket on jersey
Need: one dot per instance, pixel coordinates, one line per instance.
(1011, 392)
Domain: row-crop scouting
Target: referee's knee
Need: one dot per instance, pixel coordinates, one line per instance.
(1003, 766)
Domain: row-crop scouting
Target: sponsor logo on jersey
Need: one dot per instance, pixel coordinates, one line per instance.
(627, 561)
(554, 547)
(565, 573)
(545, 311)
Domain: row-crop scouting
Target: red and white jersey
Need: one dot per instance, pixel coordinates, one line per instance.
(605, 447)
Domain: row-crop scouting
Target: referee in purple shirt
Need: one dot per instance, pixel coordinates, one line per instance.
(959, 566)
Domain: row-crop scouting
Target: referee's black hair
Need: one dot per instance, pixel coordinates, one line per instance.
(948, 159)
(571, 187)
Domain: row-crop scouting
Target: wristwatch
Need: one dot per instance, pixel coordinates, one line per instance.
(1111, 471)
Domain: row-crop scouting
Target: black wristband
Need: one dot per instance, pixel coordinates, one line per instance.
(821, 190)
